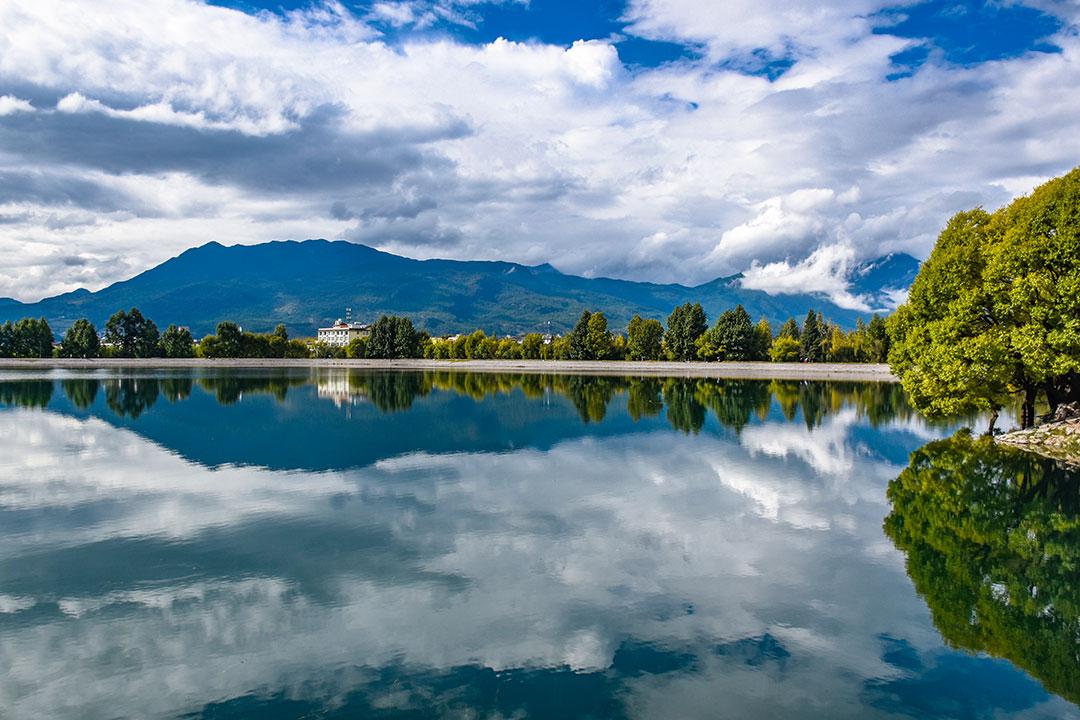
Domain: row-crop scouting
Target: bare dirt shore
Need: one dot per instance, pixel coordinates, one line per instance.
(733, 370)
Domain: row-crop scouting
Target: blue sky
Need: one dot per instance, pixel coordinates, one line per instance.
(954, 32)
(667, 140)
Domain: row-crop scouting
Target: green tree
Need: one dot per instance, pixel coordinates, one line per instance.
(1033, 277)
(7, 340)
(531, 346)
(578, 340)
(785, 349)
(763, 340)
(790, 329)
(394, 337)
(176, 342)
(685, 325)
(732, 337)
(227, 342)
(876, 348)
(131, 335)
(31, 338)
(995, 310)
(644, 339)
(356, 349)
(474, 345)
(813, 339)
(80, 340)
(839, 345)
(949, 347)
(598, 340)
(508, 349)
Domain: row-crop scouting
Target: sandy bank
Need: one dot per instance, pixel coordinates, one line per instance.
(733, 370)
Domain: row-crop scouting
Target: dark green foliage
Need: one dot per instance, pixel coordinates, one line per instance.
(813, 338)
(684, 411)
(578, 340)
(790, 329)
(643, 398)
(227, 342)
(26, 393)
(27, 338)
(230, 388)
(394, 337)
(131, 397)
(733, 337)
(685, 325)
(131, 335)
(876, 349)
(232, 342)
(176, 342)
(81, 391)
(80, 341)
(992, 540)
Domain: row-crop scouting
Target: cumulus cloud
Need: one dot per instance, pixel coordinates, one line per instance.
(9, 104)
(824, 271)
(249, 127)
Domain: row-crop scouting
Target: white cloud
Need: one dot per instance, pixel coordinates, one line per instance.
(9, 104)
(676, 173)
(824, 271)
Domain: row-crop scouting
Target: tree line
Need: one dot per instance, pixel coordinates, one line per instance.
(688, 336)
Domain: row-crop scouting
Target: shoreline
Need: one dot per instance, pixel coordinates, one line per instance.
(1057, 440)
(725, 370)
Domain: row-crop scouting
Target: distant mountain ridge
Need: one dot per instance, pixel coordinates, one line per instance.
(308, 284)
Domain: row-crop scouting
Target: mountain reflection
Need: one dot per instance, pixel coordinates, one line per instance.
(992, 539)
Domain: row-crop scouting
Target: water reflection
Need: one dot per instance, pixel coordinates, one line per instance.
(687, 401)
(450, 545)
(992, 539)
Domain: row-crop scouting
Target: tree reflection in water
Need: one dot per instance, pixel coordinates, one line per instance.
(992, 539)
(684, 402)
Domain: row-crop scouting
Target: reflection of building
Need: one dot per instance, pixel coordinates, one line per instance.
(341, 333)
(336, 387)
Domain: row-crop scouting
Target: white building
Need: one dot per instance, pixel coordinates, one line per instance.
(341, 333)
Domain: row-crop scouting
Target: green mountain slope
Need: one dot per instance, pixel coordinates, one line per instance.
(308, 284)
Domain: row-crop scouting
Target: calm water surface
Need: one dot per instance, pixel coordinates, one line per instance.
(347, 544)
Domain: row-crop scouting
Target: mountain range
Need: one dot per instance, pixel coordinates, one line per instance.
(308, 284)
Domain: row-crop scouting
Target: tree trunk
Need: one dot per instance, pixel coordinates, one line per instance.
(1027, 413)
(993, 421)
(1053, 395)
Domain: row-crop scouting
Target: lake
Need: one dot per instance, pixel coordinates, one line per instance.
(334, 543)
